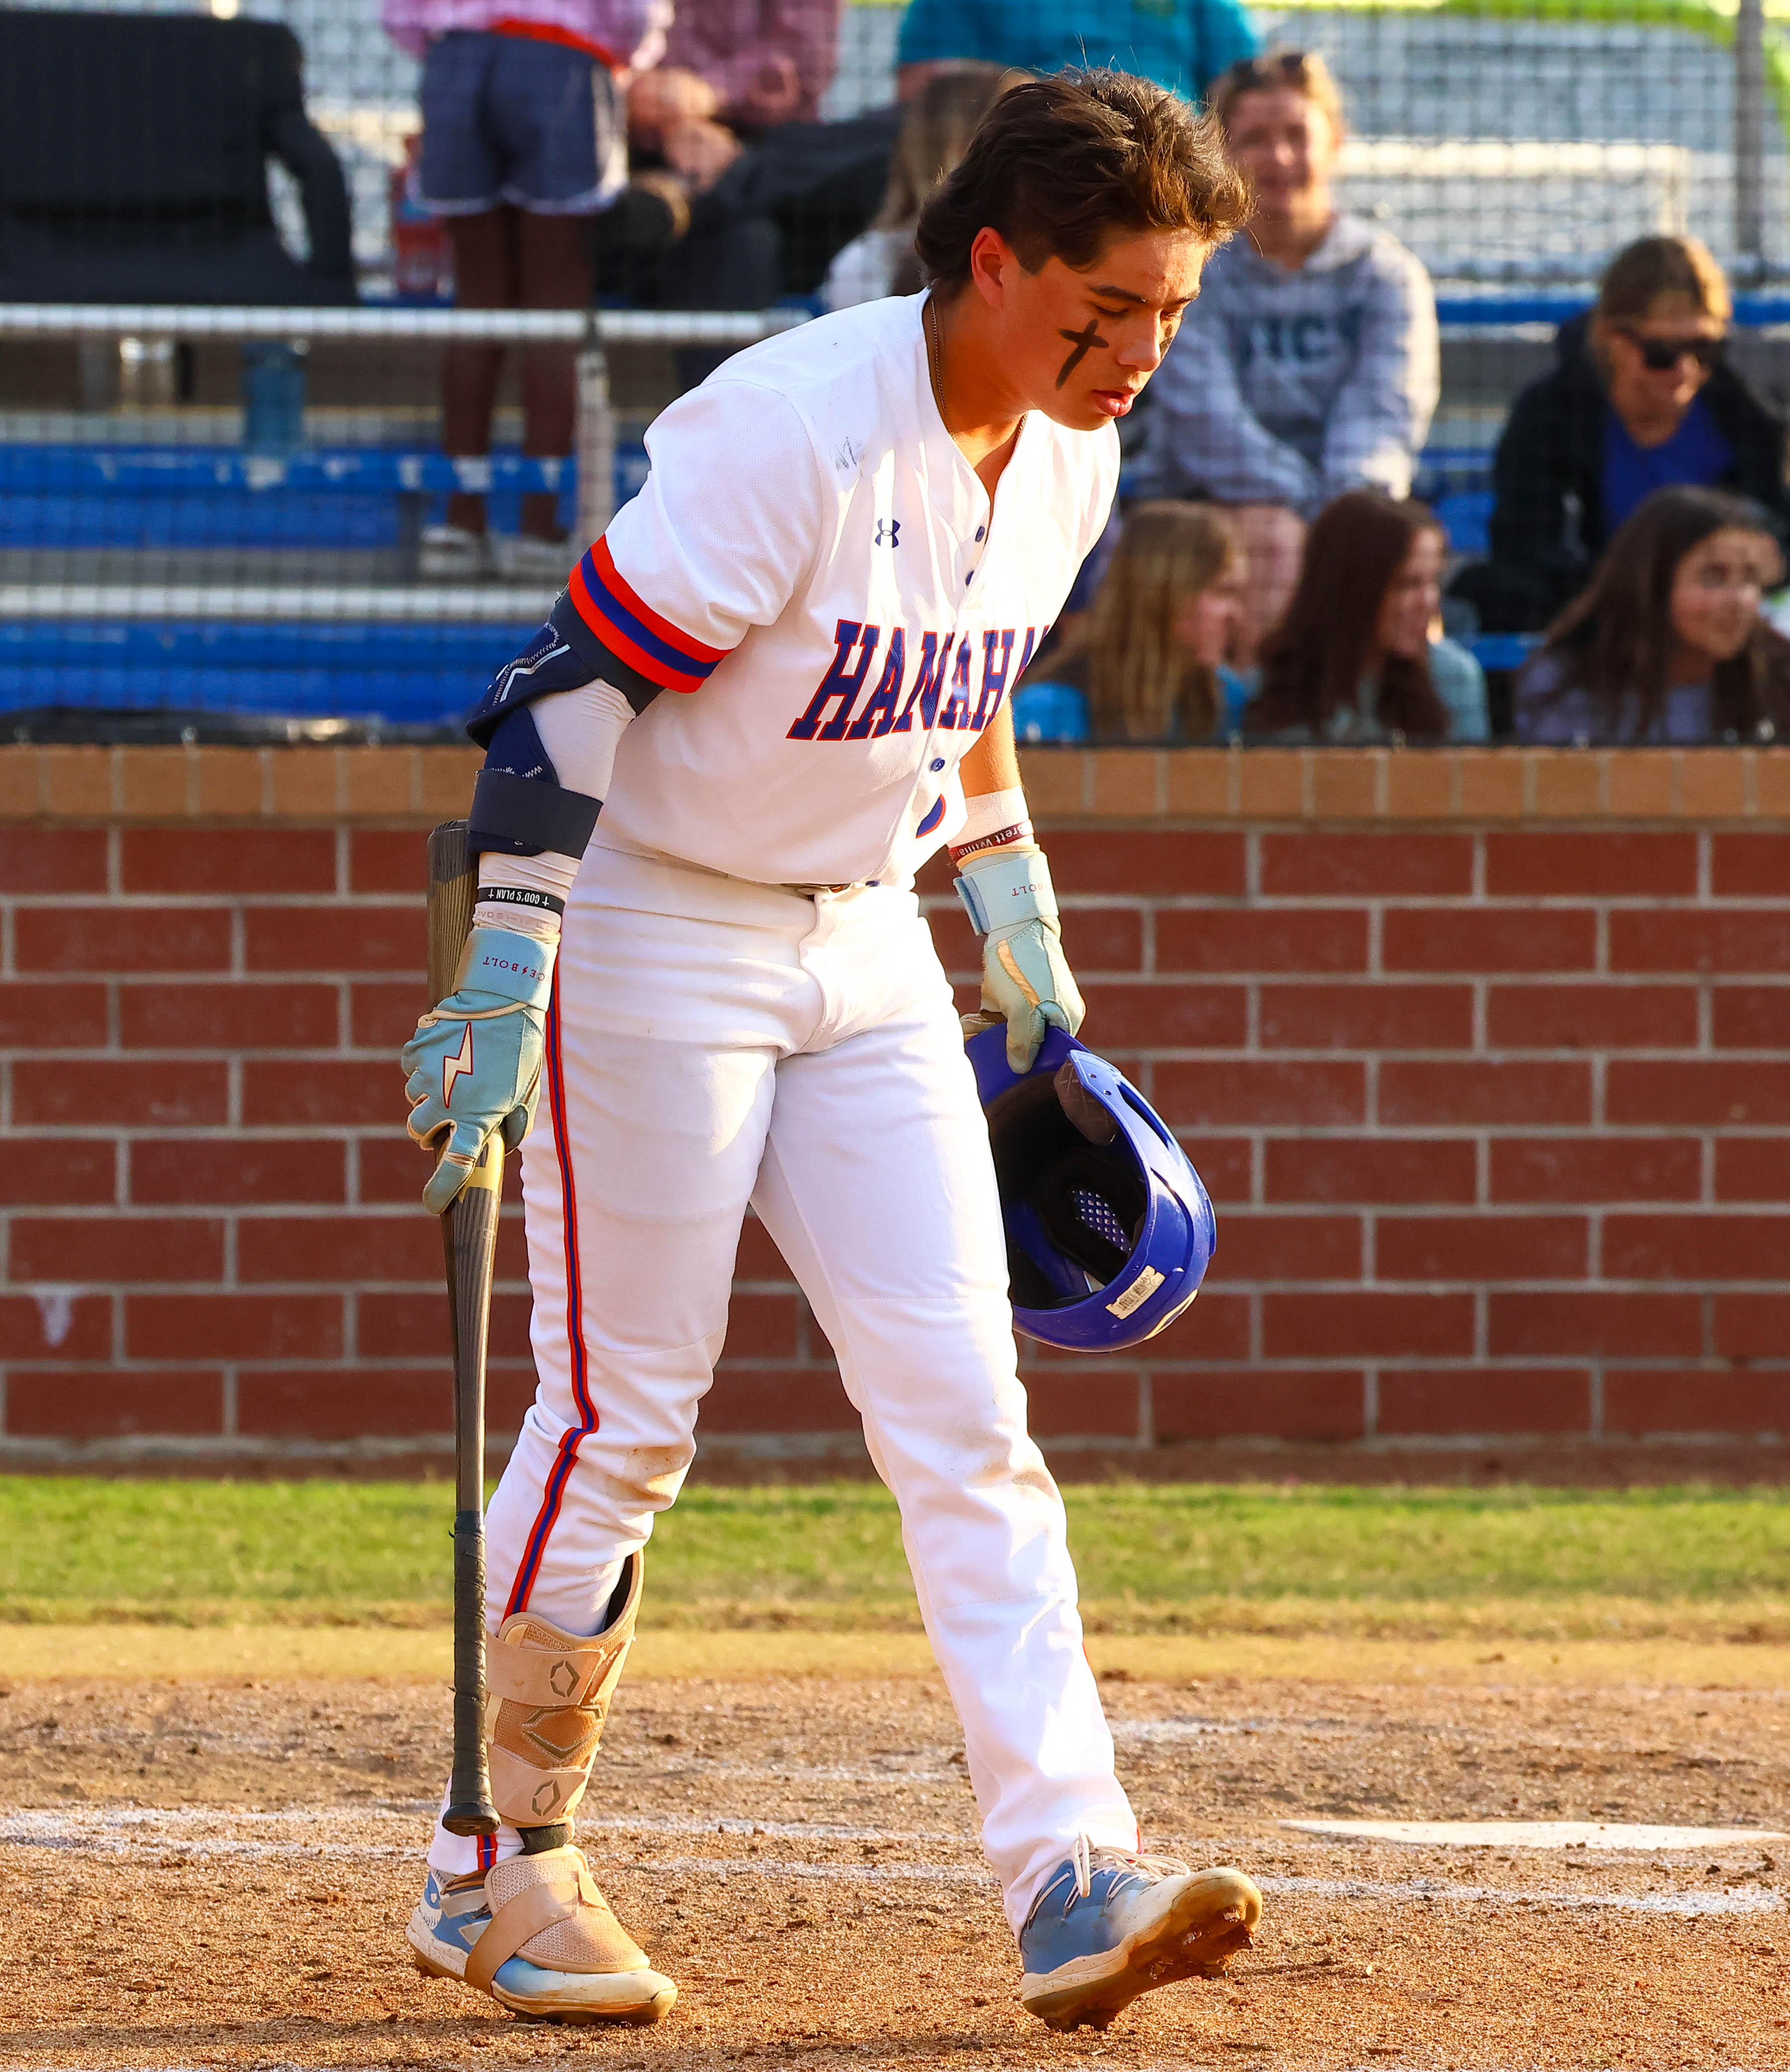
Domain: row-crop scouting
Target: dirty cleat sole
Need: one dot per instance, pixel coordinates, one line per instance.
(1202, 1923)
(433, 1954)
(636, 1998)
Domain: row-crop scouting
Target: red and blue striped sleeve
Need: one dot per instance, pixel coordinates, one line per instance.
(611, 609)
(724, 528)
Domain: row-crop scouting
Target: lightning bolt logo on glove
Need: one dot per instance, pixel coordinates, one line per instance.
(460, 1091)
(456, 1067)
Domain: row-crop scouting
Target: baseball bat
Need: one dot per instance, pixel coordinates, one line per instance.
(469, 1246)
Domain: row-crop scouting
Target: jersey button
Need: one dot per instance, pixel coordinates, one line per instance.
(938, 763)
(981, 532)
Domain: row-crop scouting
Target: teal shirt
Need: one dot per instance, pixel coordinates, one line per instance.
(1460, 684)
(1181, 44)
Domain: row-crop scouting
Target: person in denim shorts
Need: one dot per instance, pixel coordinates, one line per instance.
(524, 135)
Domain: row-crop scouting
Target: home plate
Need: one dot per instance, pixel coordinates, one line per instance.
(1535, 1834)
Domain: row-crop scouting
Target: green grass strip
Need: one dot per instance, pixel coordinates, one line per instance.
(1150, 1556)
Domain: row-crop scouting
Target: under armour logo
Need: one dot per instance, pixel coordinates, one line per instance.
(888, 532)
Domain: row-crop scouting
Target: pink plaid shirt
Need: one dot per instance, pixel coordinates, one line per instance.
(727, 41)
(633, 32)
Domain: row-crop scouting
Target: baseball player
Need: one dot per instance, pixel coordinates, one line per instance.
(784, 674)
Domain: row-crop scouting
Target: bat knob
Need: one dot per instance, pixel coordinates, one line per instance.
(470, 1816)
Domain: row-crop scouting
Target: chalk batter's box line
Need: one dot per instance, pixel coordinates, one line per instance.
(24, 1831)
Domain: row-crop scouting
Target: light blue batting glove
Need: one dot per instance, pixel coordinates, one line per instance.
(473, 1065)
(1026, 978)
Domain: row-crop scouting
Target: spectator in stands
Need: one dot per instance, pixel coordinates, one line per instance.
(725, 140)
(1181, 44)
(746, 65)
(524, 139)
(1149, 656)
(1358, 658)
(1641, 399)
(1310, 365)
(1669, 643)
(936, 127)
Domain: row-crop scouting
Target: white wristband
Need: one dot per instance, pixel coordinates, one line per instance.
(989, 814)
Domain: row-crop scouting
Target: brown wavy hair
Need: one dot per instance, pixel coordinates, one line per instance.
(1142, 685)
(1304, 72)
(1315, 660)
(1061, 165)
(1615, 640)
(1655, 270)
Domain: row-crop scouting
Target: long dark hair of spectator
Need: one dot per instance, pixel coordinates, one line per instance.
(1313, 661)
(1615, 641)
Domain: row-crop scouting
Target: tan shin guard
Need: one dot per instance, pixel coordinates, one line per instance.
(549, 1693)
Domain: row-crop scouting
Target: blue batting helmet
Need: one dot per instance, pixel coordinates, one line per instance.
(1109, 1231)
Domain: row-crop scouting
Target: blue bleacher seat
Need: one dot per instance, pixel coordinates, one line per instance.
(62, 503)
(1465, 514)
(402, 674)
(1500, 650)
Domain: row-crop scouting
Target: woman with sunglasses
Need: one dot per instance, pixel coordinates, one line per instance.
(1642, 399)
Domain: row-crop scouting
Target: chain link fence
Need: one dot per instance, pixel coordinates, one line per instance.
(222, 501)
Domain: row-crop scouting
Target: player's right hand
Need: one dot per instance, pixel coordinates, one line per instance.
(473, 1065)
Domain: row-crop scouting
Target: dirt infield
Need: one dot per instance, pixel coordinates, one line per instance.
(217, 1871)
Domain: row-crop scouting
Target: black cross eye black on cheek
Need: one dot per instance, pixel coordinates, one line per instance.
(1081, 341)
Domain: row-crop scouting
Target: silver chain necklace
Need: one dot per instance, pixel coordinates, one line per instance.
(930, 309)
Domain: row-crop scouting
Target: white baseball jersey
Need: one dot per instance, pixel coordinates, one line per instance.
(813, 568)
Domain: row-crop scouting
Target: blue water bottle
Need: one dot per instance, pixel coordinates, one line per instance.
(273, 396)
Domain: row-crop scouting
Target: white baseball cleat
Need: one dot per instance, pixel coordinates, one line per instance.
(535, 1933)
(449, 553)
(1109, 1925)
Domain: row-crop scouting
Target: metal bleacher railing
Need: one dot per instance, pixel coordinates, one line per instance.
(205, 560)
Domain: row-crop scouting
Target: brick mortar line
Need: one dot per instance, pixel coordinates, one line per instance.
(1139, 1055)
(1408, 1134)
(404, 786)
(251, 1366)
(1325, 1287)
(86, 898)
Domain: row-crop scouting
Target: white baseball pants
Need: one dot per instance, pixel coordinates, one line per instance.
(713, 1042)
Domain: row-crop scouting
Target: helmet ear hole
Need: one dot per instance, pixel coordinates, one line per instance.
(1090, 1115)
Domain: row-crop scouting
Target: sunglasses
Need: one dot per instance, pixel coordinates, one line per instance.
(1279, 68)
(1661, 355)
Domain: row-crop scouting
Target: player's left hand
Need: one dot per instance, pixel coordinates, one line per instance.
(1026, 977)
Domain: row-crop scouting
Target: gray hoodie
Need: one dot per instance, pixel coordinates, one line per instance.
(1290, 387)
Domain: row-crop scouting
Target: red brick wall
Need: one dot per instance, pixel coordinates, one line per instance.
(1495, 1111)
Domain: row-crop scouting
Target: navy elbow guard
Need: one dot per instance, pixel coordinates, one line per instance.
(519, 806)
